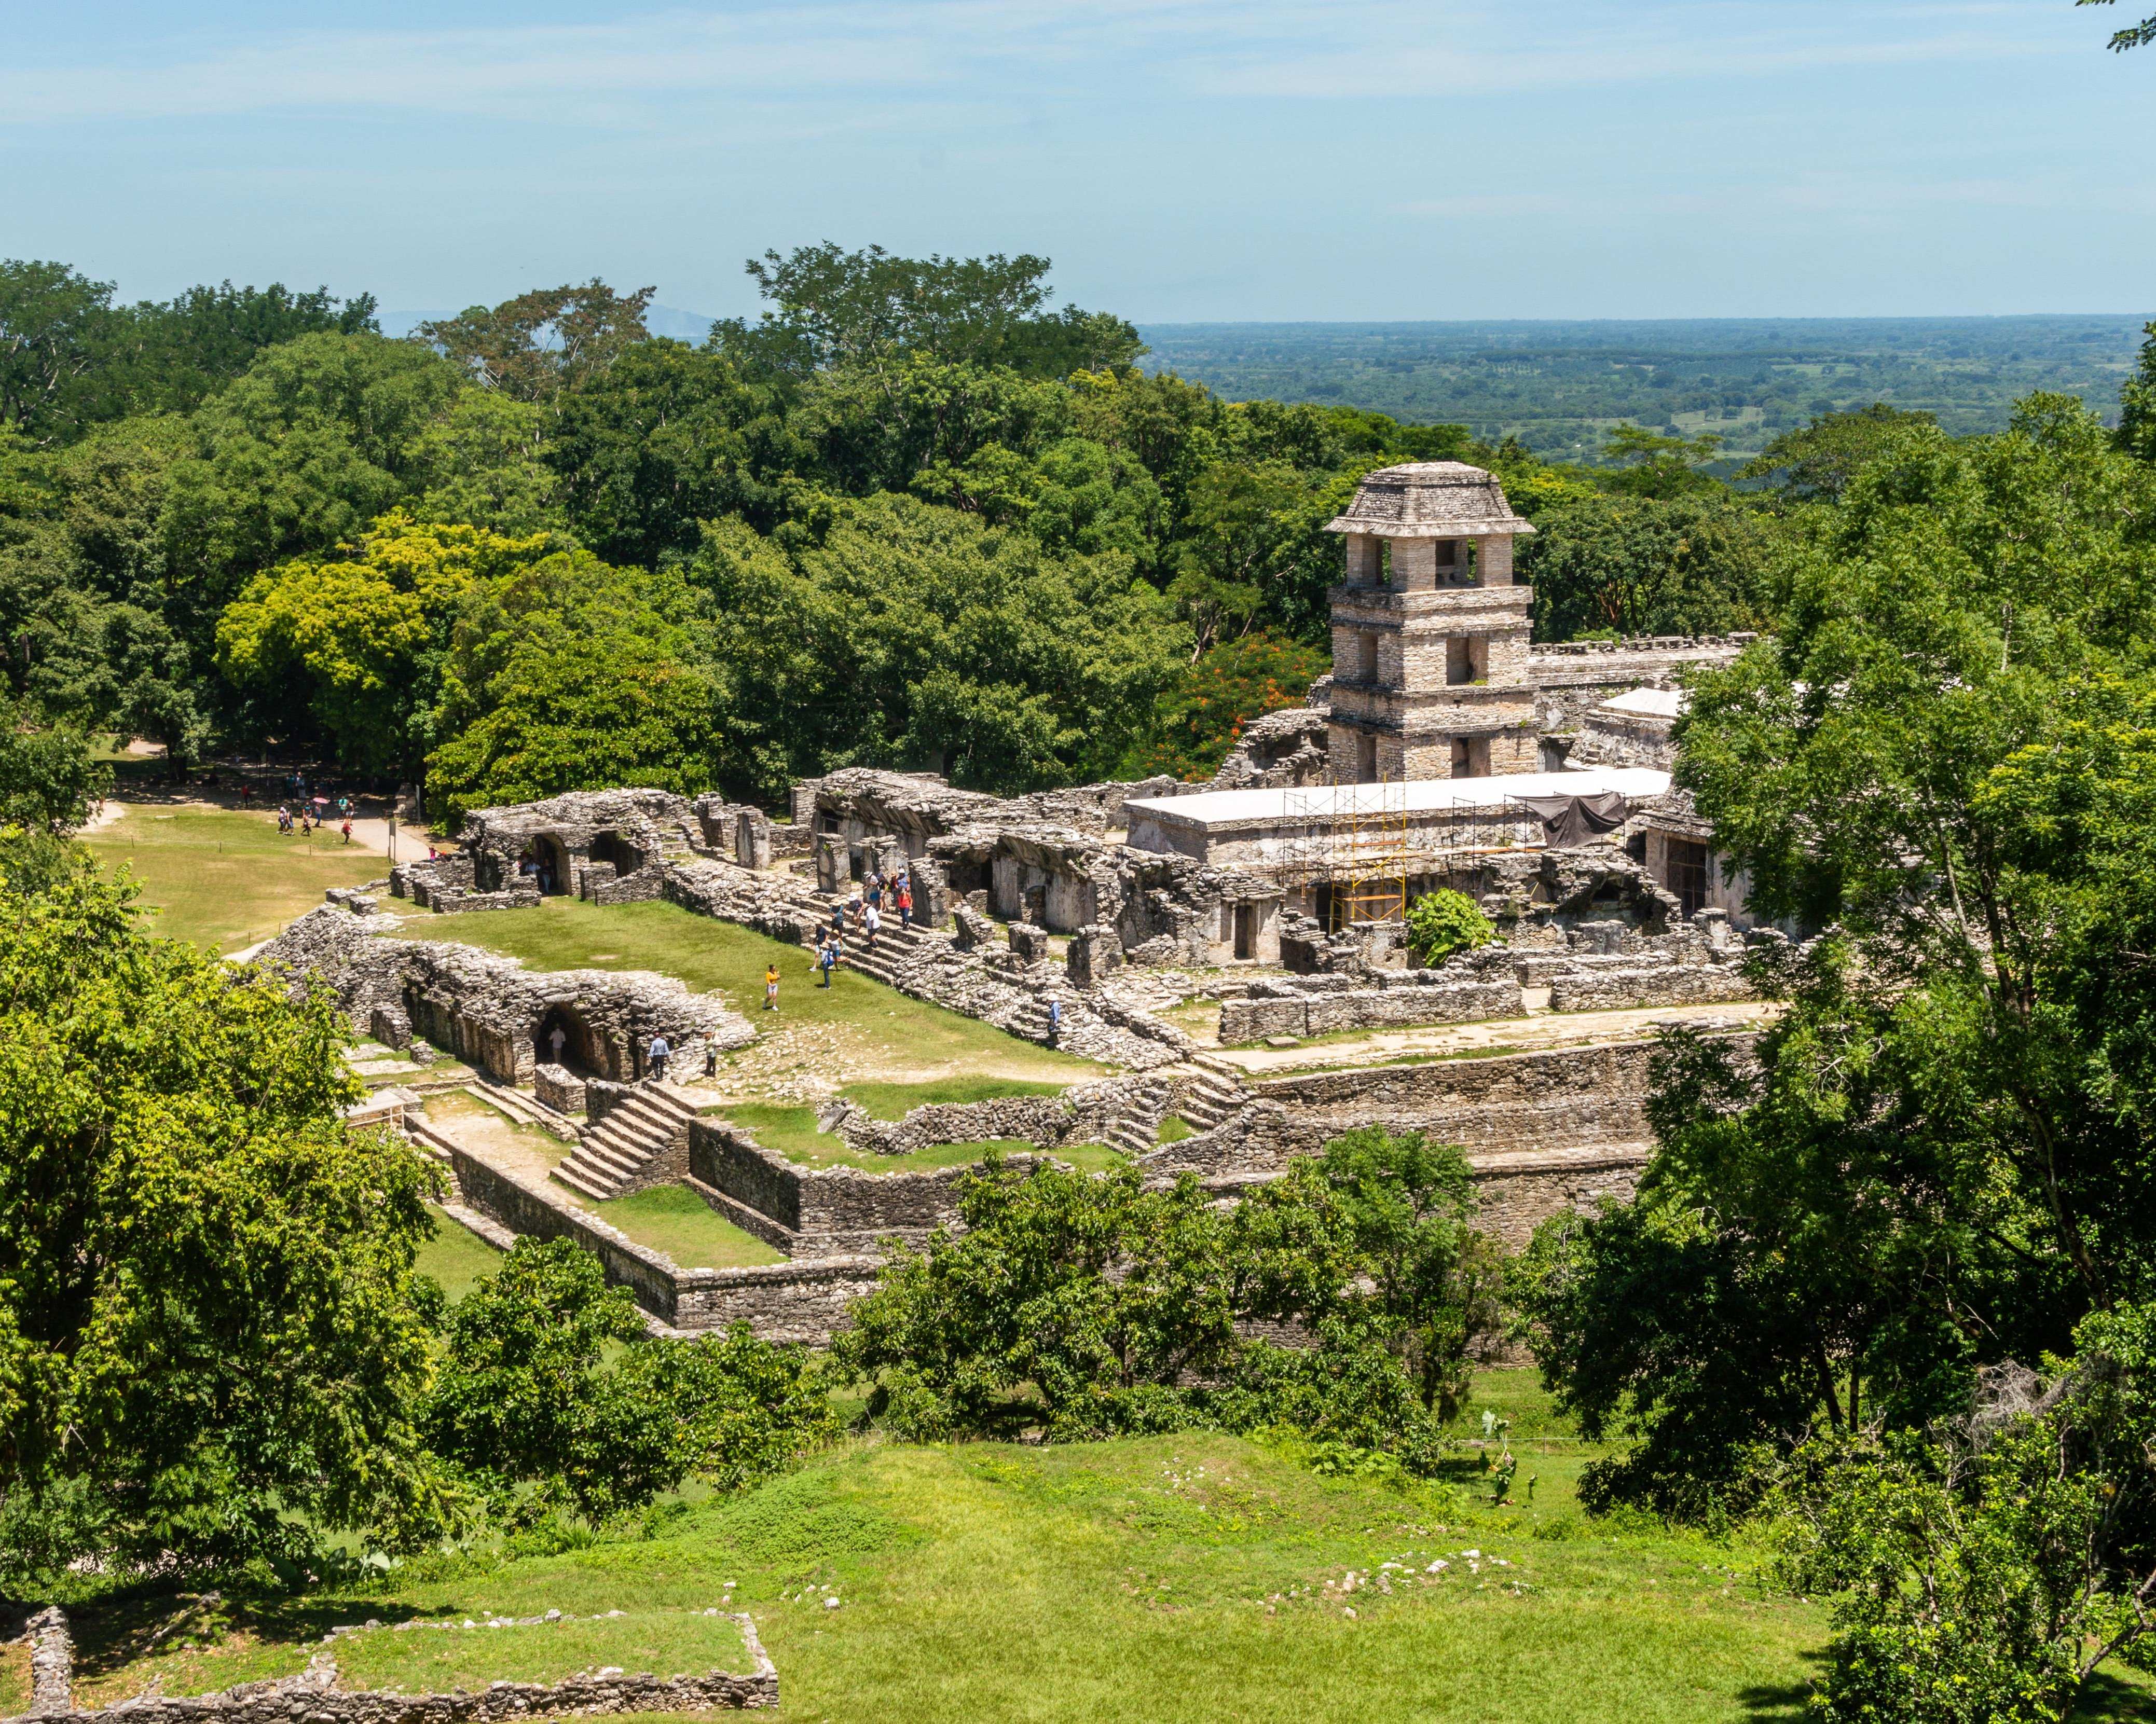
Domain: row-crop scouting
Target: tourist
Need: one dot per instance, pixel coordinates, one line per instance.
(827, 956)
(558, 1041)
(875, 891)
(1055, 1021)
(347, 828)
(905, 904)
(871, 920)
(837, 920)
(659, 1050)
(771, 987)
(711, 1058)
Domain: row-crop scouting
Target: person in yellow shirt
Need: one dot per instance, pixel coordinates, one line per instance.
(771, 987)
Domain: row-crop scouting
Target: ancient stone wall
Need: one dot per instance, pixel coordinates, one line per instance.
(818, 1212)
(803, 1302)
(490, 1011)
(314, 1697)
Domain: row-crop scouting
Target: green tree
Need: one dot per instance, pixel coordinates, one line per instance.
(1091, 1306)
(2139, 35)
(2137, 399)
(358, 638)
(1816, 462)
(1649, 464)
(208, 1339)
(1944, 754)
(50, 320)
(1628, 565)
(529, 1403)
(1202, 715)
(1988, 1569)
(905, 635)
(1443, 923)
(544, 344)
(572, 710)
(664, 440)
(831, 308)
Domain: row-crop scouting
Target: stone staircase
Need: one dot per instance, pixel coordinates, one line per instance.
(1213, 1091)
(1137, 1132)
(892, 944)
(637, 1130)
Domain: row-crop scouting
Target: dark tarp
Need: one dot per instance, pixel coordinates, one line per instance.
(1570, 820)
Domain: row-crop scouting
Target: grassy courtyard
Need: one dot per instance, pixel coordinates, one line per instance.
(1196, 1577)
(222, 879)
(856, 1029)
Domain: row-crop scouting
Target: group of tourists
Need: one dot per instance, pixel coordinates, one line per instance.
(297, 812)
(862, 913)
(537, 870)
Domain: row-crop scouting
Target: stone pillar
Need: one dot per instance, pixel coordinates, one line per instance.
(1092, 953)
(801, 799)
(831, 862)
(752, 838)
(931, 893)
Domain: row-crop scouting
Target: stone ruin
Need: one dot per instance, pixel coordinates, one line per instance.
(428, 996)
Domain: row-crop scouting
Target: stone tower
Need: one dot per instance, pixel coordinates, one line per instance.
(1430, 635)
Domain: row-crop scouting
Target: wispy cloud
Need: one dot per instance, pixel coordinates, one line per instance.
(768, 55)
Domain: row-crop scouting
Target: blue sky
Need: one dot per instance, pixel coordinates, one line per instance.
(1291, 159)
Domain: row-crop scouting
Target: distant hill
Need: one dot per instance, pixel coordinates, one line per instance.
(1558, 385)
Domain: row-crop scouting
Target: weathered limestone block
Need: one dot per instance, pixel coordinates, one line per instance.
(558, 1088)
(1092, 953)
(832, 871)
(1028, 943)
(1250, 1020)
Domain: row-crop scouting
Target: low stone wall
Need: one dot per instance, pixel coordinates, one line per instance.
(559, 1088)
(1085, 1113)
(817, 1212)
(1601, 988)
(314, 1697)
(784, 1302)
(1245, 1020)
(1545, 1131)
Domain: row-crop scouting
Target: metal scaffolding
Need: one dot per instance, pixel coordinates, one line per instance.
(1362, 844)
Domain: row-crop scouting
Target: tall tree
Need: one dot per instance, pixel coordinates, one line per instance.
(50, 320)
(544, 344)
(831, 308)
(208, 1339)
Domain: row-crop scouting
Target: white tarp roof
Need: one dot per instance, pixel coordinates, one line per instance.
(1655, 703)
(1226, 808)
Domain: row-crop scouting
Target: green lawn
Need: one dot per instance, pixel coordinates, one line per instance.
(674, 1219)
(224, 879)
(899, 1033)
(1199, 1579)
(456, 1256)
(664, 1643)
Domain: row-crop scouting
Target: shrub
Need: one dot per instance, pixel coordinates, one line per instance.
(1446, 923)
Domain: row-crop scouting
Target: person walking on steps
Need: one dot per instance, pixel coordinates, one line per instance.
(1055, 1021)
(905, 904)
(771, 987)
(871, 920)
(659, 1050)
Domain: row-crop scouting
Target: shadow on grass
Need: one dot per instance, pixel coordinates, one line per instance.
(1784, 1700)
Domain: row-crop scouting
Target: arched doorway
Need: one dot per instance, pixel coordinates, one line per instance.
(563, 1038)
(613, 847)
